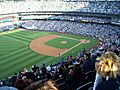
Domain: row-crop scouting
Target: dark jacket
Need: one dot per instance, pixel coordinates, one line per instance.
(112, 84)
(88, 65)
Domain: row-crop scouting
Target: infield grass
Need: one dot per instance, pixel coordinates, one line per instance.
(15, 54)
(57, 43)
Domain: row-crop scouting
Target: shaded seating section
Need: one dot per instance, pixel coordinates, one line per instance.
(85, 86)
(90, 76)
(81, 85)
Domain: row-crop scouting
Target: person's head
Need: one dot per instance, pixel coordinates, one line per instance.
(87, 55)
(43, 64)
(70, 71)
(77, 69)
(48, 85)
(109, 65)
(20, 84)
(82, 58)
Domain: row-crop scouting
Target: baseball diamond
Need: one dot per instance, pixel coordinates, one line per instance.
(22, 48)
(44, 45)
(60, 44)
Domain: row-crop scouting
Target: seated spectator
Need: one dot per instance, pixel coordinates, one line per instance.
(35, 68)
(70, 58)
(20, 84)
(82, 60)
(13, 79)
(88, 64)
(75, 75)
(49, 85)
(78, 73)
(44, 70)
(35, 85)
(107, 73)
(29, 76)
(84, 51)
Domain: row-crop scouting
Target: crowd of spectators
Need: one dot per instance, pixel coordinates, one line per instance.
(10, 25)
(73, 72)
(68, 75)
(7, 27)
(32, 5)
(107, 33)
(81, 18)
(46, 5)
(102, 7)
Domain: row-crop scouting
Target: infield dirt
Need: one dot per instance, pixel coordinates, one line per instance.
(38, 46)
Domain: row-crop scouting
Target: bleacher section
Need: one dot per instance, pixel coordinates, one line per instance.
(69, 74)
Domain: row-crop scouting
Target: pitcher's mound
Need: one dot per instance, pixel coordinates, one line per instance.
(63, 42)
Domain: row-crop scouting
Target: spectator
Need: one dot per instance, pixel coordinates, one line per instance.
(107, 68)
(48, 85)
(44, 70)
(20, 84)
(70, 58)
(88, 64)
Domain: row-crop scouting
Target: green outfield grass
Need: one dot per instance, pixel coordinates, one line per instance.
(57, 43)
(15, 53)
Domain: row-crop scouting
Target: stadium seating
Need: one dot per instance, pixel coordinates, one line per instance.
(92, 7)
(94, 30)
(109, 36)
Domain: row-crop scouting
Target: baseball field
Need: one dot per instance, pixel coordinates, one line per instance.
(21, 49)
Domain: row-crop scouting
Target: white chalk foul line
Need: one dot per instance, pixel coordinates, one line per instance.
(73, 46)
